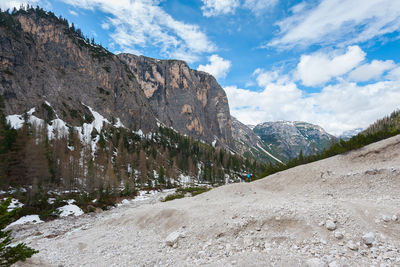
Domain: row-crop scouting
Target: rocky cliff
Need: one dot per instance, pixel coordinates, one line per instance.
(43, 59)
(187, 100)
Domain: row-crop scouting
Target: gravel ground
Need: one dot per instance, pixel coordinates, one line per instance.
(342, 211)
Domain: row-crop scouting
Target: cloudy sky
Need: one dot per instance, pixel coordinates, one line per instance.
(334, 63)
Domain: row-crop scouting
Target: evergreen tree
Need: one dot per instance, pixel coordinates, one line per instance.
(10, 254)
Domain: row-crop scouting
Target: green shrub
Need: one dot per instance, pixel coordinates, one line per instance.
(181, 192)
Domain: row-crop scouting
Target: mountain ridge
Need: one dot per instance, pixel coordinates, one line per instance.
(78, 71)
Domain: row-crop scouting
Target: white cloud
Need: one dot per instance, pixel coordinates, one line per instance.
(319, 68)
(337, 108)
(10, 4)
(394, 74)
(142, 23)
(212, 8)
(218, 67)
(105, 26)
(369, 71)
(259, 6)
(339, 22)
(73, 13)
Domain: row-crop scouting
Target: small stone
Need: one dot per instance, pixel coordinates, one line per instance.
(351, 245)
(248, 242)
(394, 218)
(330, 225)
(338, 235)
(368, 238)
(172, 239)
(386, 218)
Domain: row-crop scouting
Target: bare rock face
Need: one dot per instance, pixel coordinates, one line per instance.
(190, 101)
(42, 59)
(46, 61)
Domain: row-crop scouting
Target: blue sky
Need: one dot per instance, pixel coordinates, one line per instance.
(330, 62)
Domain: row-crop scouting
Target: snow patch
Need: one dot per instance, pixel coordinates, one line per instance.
(70, 209)
(14, 204)
(185, 179)
(119, 124)
(34, 219)
(214, 143)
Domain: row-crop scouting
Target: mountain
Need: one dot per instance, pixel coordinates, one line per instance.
(286, 139)
(76, 118)
(187, 100)
(346, 135)
(43, 59)
(248, 143)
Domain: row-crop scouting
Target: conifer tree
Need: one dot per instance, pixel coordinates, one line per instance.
(10, 254)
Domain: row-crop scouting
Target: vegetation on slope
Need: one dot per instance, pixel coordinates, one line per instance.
(10, 254)
(181, 192)
(120, 163)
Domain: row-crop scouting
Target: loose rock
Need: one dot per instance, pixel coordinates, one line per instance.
(351, 245)
(172, 239)
(338, 235)
(330, 225)
(368, 238)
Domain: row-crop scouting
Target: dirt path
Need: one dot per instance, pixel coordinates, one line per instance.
(281, 220)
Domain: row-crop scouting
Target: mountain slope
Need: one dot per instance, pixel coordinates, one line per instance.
(42, 58)
(249, 144)
(286, 139)
(281, 220)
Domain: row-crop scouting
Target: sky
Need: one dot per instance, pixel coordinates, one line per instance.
(333, 63)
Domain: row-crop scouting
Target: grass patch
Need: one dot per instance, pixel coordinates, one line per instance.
(181, 192)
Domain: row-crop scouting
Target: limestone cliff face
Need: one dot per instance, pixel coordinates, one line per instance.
(42, 59)
(190, 101)
(45, 61)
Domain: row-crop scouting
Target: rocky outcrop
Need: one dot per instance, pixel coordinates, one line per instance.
(187, 100)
